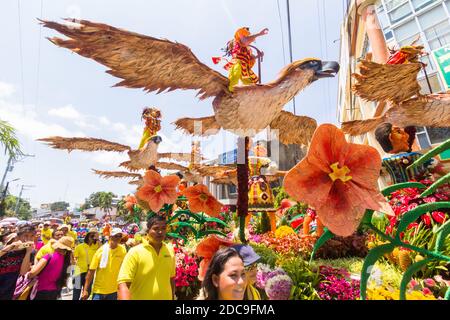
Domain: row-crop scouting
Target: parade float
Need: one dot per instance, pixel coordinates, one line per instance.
(337, 236)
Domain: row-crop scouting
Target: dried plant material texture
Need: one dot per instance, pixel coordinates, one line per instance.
(428, 111)
(117, 174)
(170, 166)
(294, 129)
(391, 82)
(141, 61)
(84, 144)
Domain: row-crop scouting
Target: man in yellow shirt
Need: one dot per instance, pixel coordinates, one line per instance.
(48, 248)
(72, 233)
(46, 232)
(83, 255)
(148, 270)
(105, 265)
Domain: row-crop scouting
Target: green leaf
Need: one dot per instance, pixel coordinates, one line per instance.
(415, 213)
(210, 231)
(176, 235)
(180, 224)
(218, 221)
(447, 294)
(188, 213)
(430, 154)
(371, 258)
(327, 235)
(367, 218)
(409, 273)
(388, 190)
(443, 232)
(436, 184)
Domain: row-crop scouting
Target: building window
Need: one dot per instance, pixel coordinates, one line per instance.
(391, 4)
(232, 189)
(438, 135)
(400, 13)
(420, 4)
(434, 83)
(406, 30)
(438, 35)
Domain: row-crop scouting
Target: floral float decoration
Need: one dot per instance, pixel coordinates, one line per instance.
(326, 145)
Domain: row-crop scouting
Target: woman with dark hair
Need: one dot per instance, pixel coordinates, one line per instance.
(51, 270)
(225, 278)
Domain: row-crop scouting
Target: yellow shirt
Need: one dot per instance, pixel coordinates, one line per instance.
(148, 272)
(46, 235)
(83, 254)
(252, 293)
(106, 278)
(72, 234)
(47, 249)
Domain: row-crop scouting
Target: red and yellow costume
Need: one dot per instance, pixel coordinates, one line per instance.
(152, 118)
(240, 67)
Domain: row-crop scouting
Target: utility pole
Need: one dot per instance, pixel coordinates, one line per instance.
(16, 210)
(10, 167)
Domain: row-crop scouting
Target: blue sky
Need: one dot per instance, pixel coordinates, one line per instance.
(68, 95)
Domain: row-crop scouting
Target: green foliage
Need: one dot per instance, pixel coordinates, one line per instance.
(100, 199)
(24, 209)
(279, 194)
(59, 206)
(262, 223)
(9, 140)
(303, 276)
(268, 256)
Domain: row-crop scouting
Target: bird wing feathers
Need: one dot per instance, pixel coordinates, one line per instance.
(141, 61)
(170, 166)
(293, 129)
(117, 174)
(84, 144)
(393, 82)
(205, 126)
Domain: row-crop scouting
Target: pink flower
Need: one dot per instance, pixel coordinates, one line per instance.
(426, 291)
(429, 282)
(413, 283)
(426, 219)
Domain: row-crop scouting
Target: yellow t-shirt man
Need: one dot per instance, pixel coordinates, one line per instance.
(106, 278)
(46, 249)
(46, 235)
(149, 273)
(83, 254)
(72, 234)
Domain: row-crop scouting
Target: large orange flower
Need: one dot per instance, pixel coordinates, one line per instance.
(338, 179)
(158, 190)
(200, 200)
(130, 201)
(206, 250)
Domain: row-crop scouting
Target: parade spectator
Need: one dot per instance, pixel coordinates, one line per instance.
(64, 228)
(225, 278)
(148, 270)
(106, 265)
(83, 255)
(15, 260)
(250, 258)
(48, 248)
(72, 233)
(46, 232)
(38, 244)
(52, 270)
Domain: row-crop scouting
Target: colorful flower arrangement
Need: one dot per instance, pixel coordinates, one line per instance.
(336, 284)
(383, 293)
(186, 280)
(283, 231)
(407, 199)
(290, 244)
(276, 282)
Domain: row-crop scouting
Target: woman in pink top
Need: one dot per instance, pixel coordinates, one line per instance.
(52, 270)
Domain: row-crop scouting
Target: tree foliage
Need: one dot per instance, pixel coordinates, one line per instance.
(59, 206)
(9, 140)
(9, 206)
(101, 199)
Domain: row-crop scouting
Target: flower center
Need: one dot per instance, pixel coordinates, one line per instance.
(158, 189)
(339, 173)
(203, 197)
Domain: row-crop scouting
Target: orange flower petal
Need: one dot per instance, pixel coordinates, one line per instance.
(306, 183)
(213, 207)
(328, 146)
(170, 181)
(152, 177)
(169, 196)
(195, 191)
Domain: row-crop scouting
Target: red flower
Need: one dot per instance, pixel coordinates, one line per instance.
(426, 219)
(297, 222)
(439, 216)
(413, 225)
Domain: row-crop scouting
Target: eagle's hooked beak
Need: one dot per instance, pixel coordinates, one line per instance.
(156, 139)
(327, 69)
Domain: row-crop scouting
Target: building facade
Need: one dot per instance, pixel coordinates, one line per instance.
(401, 22)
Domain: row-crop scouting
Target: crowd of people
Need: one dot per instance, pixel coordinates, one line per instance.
(37, 261)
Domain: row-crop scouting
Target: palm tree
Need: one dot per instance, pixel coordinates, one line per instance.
(9, 140)
(105, 201)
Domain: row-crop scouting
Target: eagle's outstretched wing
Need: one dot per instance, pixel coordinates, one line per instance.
(170, 166)
(428, 111)
(294, 129)
(204, 126)
(117, 174)
(213, 171)
(141, 61)
(178, 156)
(84, 144)
(391, 82)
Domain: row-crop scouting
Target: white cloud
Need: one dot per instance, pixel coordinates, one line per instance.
(105, 121)
(27, 122)
(112, 159)
(67, 112)
(6, 89)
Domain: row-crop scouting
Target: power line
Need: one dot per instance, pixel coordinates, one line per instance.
(39, 57)
(282, 33)
(21, 53)
(330, 105)
(290, 41)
